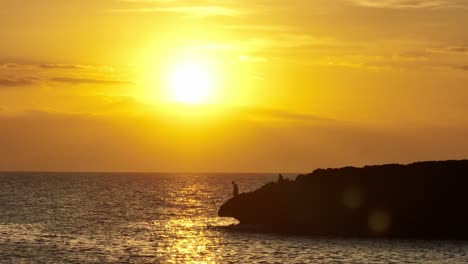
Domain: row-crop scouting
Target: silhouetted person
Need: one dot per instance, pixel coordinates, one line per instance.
(280, 178)
(235, 189)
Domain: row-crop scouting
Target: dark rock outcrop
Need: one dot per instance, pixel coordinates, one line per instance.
(420, 200)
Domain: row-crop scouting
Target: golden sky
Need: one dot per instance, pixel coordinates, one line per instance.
(204, 85)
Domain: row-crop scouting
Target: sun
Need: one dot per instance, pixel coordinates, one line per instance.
(191, 83)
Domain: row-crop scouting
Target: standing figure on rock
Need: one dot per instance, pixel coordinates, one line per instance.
(235, 189)
(280, 178)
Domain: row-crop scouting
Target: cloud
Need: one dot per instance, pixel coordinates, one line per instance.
(198, 11)
(462, 67)
(269, 114)
(13, 74)
(80, 67)
(259, 27)
(148, 1)
(62, 66)
(15, 82)
(459, 49)
(410, 4)
(450, 50)
(198, 8)
(9, 65)
(87, 81)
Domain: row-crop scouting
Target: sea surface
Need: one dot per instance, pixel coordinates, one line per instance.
(166, 218)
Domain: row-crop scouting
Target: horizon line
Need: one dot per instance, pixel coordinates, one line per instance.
(228, 172)
(146, 172)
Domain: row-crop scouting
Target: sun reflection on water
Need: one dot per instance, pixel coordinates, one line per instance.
(189, 243)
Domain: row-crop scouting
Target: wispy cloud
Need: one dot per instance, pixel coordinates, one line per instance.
(8, 65)
(14, 74)
(271, 114)
(404, 4)
(61, 66)
(462, 67)
(149, 1)
(15, 82)
(449, 50)
(197, 11)
(87, 81)
(259, 27)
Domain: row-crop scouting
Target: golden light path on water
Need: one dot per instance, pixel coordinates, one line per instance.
(188, 240)
(187, 246)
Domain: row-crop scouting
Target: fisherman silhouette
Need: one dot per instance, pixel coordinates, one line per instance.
(280, 178)
(235, 189)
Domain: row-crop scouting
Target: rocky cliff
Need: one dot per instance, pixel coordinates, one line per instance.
(419, 200)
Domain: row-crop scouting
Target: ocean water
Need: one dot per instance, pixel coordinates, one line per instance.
(166, 218)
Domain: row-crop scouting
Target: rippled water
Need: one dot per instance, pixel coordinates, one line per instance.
(166, 218)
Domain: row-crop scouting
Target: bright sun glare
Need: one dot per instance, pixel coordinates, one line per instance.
(191, 82)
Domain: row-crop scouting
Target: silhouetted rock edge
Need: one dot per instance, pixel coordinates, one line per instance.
(420, 200)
